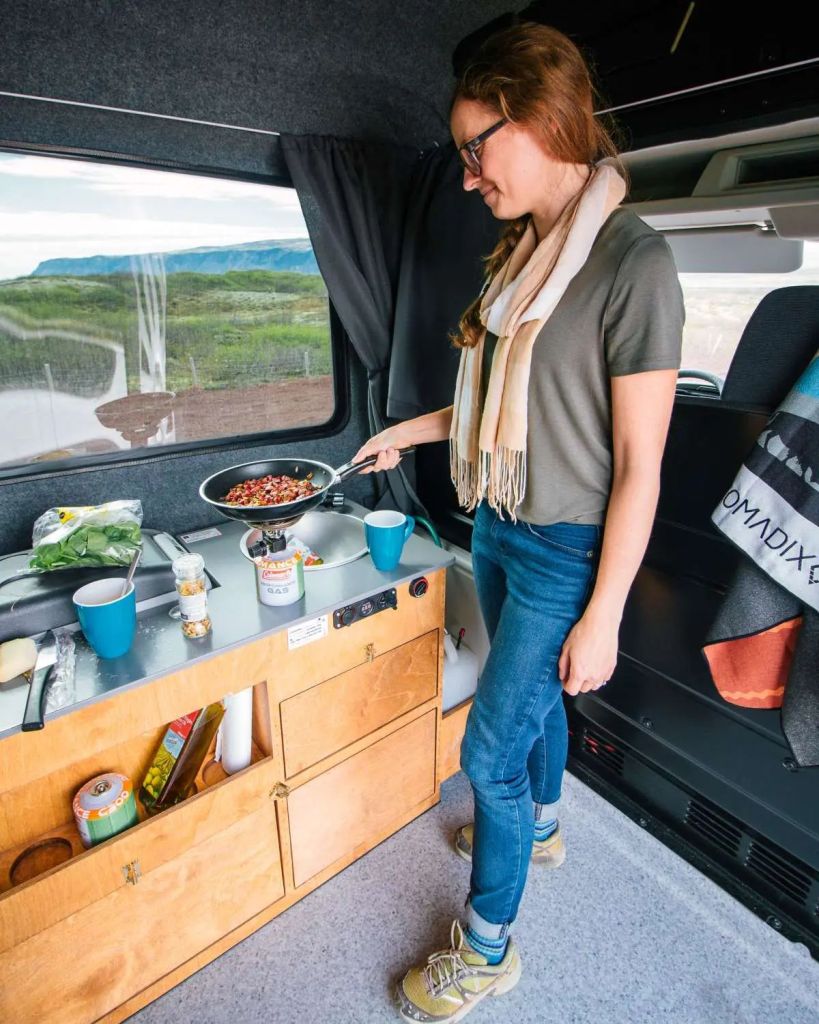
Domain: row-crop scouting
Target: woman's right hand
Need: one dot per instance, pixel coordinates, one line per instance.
(385, 445)
(432, 426)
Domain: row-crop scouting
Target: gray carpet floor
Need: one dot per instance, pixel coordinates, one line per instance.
(624, 932)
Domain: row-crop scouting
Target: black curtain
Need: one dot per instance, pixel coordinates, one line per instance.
(399, 244)
(446, 233)
(354, 195)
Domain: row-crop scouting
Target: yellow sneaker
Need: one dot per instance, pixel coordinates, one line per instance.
(550, 853)
(453, 981)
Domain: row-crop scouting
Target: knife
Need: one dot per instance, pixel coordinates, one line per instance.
(38, 678)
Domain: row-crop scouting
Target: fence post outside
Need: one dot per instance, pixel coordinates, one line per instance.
(50, 381)
(307, 362)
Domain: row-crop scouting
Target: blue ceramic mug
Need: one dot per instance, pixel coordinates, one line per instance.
(107, 620)
(387, 532)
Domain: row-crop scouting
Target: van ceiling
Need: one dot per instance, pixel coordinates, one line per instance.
(380, 69)
(359, 68)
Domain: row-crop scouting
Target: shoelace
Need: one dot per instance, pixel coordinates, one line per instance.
(448, 965)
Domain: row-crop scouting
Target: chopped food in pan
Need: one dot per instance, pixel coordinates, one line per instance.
(270, 490)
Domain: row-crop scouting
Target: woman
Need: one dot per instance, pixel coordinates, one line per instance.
(561, 410)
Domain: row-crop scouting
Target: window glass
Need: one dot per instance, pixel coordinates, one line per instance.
(145, 308)
(718, 306)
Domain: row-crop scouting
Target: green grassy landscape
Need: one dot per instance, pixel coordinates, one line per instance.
(222, 330)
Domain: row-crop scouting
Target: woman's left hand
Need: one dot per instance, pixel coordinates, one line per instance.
(589, 655)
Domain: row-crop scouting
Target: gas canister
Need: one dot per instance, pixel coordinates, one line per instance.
(279, 573)
(104, 807)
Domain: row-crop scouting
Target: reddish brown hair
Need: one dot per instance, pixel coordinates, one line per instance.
(535, 76)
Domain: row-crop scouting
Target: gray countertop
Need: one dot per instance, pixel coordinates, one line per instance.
(237, 615)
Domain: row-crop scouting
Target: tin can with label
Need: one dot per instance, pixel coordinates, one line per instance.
(104, 807)
(279, 574)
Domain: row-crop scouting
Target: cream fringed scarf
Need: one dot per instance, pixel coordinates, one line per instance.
(488, 450)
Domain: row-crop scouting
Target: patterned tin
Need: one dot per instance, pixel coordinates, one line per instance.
(104, 807)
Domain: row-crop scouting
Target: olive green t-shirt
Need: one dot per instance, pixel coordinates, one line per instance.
(622, 313)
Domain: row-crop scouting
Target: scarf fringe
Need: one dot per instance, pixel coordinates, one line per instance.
(466, 475)
(499, 477)
(505, 473)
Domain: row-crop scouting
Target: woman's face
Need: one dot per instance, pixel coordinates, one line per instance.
(516, 168)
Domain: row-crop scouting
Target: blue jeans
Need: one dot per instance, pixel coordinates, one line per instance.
(533, 584)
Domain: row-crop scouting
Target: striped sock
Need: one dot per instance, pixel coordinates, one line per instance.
(493, 950)
(544, 829)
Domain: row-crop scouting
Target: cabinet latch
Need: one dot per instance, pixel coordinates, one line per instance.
(280, 790)
(370, 652)
(132, 872)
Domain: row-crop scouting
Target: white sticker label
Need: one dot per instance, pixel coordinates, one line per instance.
(209, 534)
(193, 607)
(306, 632)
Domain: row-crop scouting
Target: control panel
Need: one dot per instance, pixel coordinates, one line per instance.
(363, 609)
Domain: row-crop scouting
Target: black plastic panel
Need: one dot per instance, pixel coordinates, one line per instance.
(769, 879)
(366, 608)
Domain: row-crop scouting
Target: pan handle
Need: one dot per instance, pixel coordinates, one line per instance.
(349, 468)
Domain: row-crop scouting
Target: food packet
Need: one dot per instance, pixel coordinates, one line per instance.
(73, 537)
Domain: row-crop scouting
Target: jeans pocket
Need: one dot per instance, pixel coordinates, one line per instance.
(579, 539)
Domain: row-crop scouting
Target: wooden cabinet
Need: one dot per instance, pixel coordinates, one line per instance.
(337, 811)
(333, 714)
(346, 737)
(177, 884)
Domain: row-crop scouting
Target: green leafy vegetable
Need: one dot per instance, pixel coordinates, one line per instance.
(90, 546)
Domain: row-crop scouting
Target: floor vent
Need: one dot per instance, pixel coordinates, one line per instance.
(783, 873)
(712, 824)
(603, 750)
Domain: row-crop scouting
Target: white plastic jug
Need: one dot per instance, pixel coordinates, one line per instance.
(460, 673)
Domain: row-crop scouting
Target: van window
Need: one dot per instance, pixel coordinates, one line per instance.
(141, 308)
(718, 306)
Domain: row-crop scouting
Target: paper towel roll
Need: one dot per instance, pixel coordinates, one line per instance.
(236, 730)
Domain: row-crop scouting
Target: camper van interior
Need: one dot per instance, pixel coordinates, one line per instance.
(234, 245)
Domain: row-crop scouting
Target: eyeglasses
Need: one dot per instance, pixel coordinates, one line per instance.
(468, 152)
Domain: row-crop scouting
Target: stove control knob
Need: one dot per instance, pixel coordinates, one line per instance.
(418, 587)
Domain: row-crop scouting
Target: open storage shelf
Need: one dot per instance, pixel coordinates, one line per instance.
(210, 774)
(38, 815)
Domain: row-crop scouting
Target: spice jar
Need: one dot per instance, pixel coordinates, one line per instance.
(189, 571)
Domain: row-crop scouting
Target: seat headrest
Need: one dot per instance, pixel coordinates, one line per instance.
(777, 344)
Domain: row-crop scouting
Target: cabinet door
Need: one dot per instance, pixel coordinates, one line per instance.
(351, 646)
(139, 932)
(331, 715)
(355, 802)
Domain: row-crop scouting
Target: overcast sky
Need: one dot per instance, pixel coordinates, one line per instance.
(51, 207)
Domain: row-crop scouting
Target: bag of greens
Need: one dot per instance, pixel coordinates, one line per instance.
(87, 535)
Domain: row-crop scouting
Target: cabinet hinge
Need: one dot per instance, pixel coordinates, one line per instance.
(280, 791)
(132, 872)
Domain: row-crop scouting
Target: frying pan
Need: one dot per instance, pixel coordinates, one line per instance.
(273, 517)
